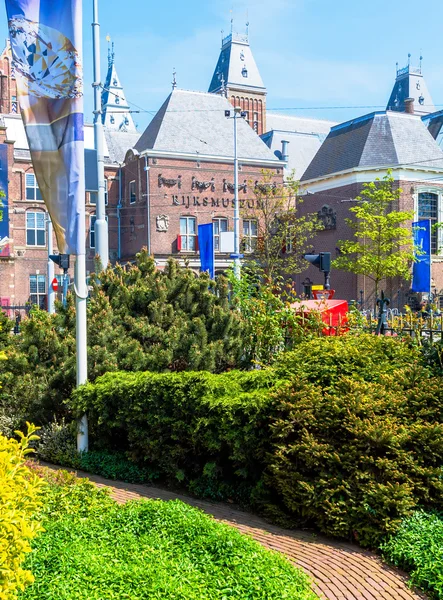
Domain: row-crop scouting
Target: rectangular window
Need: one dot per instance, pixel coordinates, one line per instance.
(37, 290)
(92, 197)
(220, 226)
(14, 104)
(428, 210)
(250, 234)
(92, 231)
(32, 191)
(35, 228)
(188, 234)
(92, 220)
(132, 195)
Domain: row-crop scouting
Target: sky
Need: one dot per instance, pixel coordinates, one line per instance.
(313, 55)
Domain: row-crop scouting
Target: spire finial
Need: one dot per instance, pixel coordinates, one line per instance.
(409, 59)
(421, 58)
(174, 80)
(396, 68)
(110, 53)
(223, 90)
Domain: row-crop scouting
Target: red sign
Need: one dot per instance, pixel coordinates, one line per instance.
(55, 284)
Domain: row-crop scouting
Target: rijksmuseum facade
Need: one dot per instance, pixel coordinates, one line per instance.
(162, 183)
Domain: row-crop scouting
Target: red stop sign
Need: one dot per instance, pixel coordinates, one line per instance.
(55, 284)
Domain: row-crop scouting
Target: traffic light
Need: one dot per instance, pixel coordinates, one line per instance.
(322, 261)
(62, 260)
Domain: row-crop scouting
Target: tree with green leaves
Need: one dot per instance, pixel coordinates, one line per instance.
(383, 245)
(275, 235)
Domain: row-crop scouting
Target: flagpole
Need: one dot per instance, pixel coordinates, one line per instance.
(101, 225)
(81, 342)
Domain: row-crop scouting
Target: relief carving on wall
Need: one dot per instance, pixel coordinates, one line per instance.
(229, 187)
(203, 185)
(163, 181)
(162, 222)
(264, 188)
(327, 217)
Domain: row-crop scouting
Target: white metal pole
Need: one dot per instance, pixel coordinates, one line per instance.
(81, 342)
(237, 264)
(51, 293)
(101, 225)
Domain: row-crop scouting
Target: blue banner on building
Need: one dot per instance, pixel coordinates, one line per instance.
(421, 269)
(206, 246)
(5, 246)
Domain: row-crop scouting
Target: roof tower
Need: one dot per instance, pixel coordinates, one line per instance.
(237, 77)
(116, 115)
(409, 83)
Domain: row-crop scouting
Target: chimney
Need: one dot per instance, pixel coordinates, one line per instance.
(284, 150)
(409, 106)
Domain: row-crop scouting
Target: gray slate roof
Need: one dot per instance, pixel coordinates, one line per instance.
(380, 139)
(119, 142)
(195, 123)
(305, 136)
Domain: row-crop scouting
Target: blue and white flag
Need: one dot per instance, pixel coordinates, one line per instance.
(206, 247)
(46, 43)
(421, 269)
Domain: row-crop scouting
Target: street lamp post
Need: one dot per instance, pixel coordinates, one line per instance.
(101, 225)
(236, 255)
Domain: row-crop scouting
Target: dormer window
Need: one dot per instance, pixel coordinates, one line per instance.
(115, 82)
(421, 100)
(117, 100)
(112, 120)
(242, 55)
(244, 72)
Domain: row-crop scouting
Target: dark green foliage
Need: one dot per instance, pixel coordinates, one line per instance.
(344, 434)
(94, 549)
(139, 318)
(358, 437)
(203, 430)
(417, 547)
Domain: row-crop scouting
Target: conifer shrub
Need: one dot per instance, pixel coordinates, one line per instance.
(357, 437)
(19, 503)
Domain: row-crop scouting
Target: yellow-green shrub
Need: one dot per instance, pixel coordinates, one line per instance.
(19, 505)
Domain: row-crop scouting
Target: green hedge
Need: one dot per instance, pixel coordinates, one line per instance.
(94, 549)
(201, 429)
(344, 433)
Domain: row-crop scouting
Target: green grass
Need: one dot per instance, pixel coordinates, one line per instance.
(98, 550)
(417, 548)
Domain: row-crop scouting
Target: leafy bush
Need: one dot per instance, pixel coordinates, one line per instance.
(417, 547)
(57, 444)
(94, 549)
(19, 502)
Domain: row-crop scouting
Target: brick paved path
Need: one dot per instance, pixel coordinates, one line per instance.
(340, 571)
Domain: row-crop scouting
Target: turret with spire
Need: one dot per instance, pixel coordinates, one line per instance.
(237, 77)
(116, 114)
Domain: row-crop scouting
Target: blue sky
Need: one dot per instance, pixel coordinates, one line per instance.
(311, 53)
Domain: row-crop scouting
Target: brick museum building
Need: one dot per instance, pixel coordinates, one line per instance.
(177, 174)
